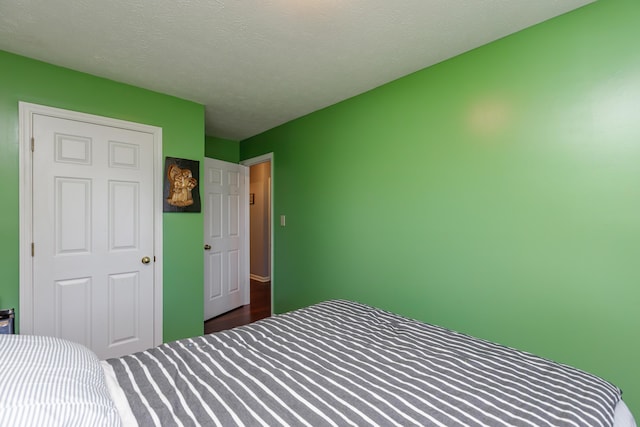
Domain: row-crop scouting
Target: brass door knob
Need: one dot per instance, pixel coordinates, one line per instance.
(207, 247)
(146, 260)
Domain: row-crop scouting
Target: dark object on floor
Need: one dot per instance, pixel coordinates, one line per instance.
(7, 321)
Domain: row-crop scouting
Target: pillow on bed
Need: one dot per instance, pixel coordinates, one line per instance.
(46, 381)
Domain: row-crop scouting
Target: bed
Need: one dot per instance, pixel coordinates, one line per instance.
(336, 363)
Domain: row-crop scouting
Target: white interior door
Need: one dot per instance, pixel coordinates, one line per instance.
(226, 237)
(93, 233)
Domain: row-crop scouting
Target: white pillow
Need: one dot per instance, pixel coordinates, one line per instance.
(46, 381)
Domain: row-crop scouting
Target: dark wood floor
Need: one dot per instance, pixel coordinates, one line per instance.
(259, 308)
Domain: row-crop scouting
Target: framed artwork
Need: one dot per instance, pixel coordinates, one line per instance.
(181, 185)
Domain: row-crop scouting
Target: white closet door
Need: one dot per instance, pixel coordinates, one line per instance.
(93, 229)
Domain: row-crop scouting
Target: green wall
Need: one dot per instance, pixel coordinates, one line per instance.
(496, 193)
(182, 122)
(222, 149)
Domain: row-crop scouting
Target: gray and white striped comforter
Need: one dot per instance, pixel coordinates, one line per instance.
(342, 363)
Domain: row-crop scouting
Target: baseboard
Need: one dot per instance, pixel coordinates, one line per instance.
(260, 278)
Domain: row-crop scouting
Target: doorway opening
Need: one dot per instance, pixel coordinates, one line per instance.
(259, 221)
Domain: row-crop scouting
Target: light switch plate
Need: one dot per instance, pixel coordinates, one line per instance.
(283, 220)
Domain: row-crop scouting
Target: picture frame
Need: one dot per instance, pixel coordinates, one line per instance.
(181, 185)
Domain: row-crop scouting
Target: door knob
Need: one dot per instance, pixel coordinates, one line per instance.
(207, 247)
(146, 260)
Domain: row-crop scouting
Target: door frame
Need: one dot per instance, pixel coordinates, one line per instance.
(254, 161)
(26, 114)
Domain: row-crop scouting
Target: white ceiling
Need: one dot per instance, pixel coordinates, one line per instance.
(258, 64)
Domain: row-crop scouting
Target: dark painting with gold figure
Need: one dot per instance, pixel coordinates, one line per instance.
(181, 185)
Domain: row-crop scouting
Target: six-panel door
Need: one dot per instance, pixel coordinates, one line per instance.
(92, 226)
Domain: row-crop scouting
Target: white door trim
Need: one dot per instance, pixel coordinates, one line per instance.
(26, 113)
(254, 161)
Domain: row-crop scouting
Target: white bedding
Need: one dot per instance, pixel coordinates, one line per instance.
(623, 417)
(46, 381)
(118, 396)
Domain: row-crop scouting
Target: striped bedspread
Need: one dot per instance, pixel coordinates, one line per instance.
(341, 363)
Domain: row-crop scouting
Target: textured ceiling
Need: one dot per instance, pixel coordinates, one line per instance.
(258, 64)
